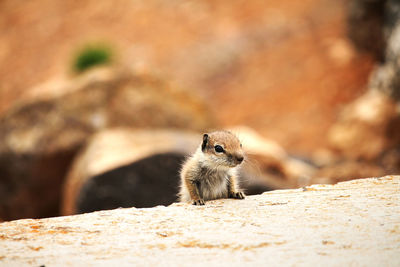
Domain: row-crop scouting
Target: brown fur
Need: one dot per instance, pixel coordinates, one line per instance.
(209, 174)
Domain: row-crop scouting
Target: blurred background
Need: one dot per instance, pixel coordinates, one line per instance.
(100, 101)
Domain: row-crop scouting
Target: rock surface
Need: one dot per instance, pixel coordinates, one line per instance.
(350, 223)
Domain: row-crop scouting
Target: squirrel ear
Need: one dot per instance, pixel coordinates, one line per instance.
(205, 140)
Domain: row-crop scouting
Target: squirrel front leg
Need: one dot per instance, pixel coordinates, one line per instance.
(232, 193)
(193, 188)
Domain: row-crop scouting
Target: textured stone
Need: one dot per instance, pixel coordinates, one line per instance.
(351, 223)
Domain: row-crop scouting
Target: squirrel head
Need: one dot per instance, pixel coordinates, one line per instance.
(222, 148)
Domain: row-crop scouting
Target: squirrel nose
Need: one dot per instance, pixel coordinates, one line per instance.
(239, 158)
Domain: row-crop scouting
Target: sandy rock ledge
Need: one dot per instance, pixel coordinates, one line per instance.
(355, 223)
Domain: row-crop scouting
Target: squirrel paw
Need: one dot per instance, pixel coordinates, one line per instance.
(198, 202)
(237, 195)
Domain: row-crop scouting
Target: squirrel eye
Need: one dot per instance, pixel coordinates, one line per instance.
(219, 149)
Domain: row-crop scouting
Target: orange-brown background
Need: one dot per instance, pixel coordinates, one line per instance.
(285, 68)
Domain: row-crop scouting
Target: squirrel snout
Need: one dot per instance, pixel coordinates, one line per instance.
(239, 158)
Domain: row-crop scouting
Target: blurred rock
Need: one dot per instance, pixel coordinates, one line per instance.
(365, 20)
(269, 161)
(386, 77)
(42, 133)
(369, 128)
(346, 170)
(147, 182)
(362, 128)
(390, 160)
(367, 132)
(125, 167)
(140, 168)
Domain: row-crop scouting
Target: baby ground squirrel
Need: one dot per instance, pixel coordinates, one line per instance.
(211, 172)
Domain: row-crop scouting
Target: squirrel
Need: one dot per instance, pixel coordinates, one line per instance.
(211, 172)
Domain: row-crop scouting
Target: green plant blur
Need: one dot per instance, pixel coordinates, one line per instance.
(92, 55)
